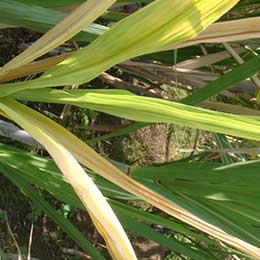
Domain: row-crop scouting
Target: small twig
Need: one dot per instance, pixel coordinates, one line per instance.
(166, 68)
(66, 109)
(30, 244)
(256, 102)
(13, 237)
(239, 60)
(195, 143)
(210, 59)
(156, 76)
(75, 252)
(205, 52)
(119, 83)
(170, 130)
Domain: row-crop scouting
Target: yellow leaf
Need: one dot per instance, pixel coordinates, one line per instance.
(101, 213)
(66, 29)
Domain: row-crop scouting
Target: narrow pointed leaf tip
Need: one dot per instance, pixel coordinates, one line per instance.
(101, 213)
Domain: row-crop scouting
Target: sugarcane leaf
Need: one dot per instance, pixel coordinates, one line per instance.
(64, 223)
(142, 109)
(41, 19)
(148, 30)
(45, 174)
(93, 161)
(229, 79)
(66, 29)
(99, 210)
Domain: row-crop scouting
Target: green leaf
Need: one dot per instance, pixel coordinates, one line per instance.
(37, 170)
(62, 3)
(145, 231)
(50, 211)
(223, 143)
(41, 19)
(2, 255)
(222, 195)
(51, 3)
(150, 110)
(152, 28)
(44, 173)
(238, 74)
(68, 27)
(101, 213)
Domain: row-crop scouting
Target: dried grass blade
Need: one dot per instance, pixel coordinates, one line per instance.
(237, 30)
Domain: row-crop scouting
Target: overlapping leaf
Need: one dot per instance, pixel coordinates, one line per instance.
(102, 215)
(92, 160)
(65, 224)
(66, 29)
(44, 173)
(143, 109)
(157, 26)
(181, 176)
(40, 19)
